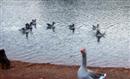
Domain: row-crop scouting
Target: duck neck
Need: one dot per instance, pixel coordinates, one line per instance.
(84, 63)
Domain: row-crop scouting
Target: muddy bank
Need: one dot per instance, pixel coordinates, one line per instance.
(24, 70)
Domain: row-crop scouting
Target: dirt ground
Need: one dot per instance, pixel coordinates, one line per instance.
(24, 70)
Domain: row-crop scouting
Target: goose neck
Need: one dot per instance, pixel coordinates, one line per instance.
(84, 63)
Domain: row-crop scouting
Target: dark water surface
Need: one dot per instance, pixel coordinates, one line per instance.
(62, 47)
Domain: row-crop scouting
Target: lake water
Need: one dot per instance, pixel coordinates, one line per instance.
(62, 47)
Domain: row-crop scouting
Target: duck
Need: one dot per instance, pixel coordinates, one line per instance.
(50, 26)
(99, 35)
(72, 27)
(95, 27)
(84, 73)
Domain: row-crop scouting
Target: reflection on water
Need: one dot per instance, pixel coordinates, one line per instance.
(63, 46)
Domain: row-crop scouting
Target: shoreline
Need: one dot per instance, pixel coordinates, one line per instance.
(26, 70)
(14, 60)
(19, 61)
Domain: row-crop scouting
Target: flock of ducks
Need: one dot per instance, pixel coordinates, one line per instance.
(29, 27)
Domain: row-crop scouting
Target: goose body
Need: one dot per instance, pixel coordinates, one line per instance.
(83, 74)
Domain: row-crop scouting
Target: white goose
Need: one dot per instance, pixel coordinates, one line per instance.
(84, 73)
